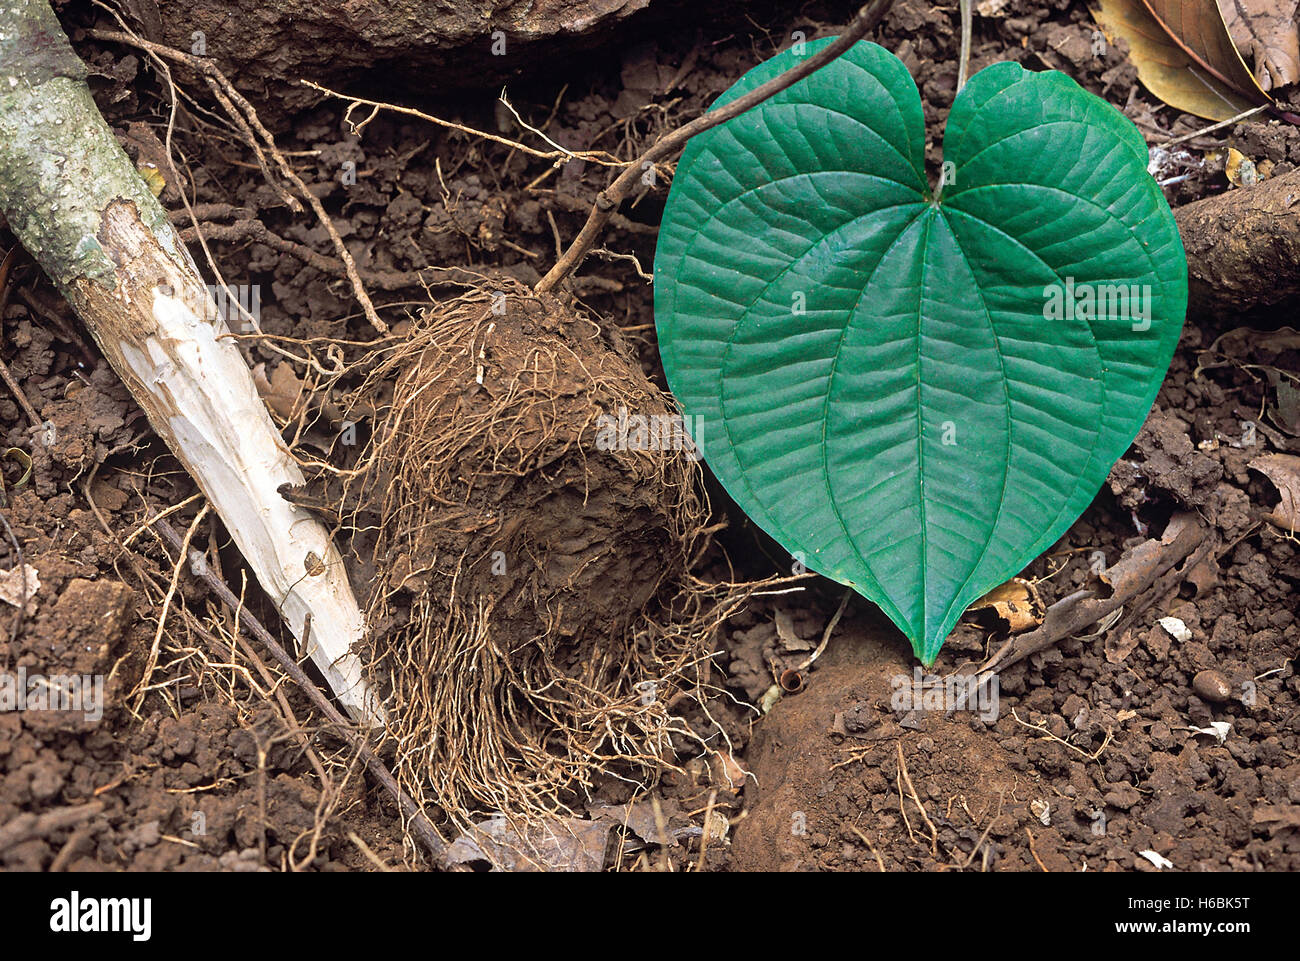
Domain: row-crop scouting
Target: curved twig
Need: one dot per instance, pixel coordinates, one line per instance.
(609, 198)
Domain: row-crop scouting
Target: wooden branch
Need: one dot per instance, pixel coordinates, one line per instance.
(1243, 247)
(76, 202)
(1147, 572)
(613, 195)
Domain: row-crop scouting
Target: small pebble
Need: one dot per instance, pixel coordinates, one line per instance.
(1176, 628)
(1212, 686)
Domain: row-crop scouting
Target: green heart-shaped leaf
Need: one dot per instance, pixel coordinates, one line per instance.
(911, 394)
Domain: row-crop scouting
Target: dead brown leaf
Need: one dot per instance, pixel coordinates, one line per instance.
(282, 392)
(13, 588)
(1183, 54)
(1288, 407)
(1016, 603)
(785, 631)
(640, 817)
(560, 844)
(1284, 471)
(1264, 32)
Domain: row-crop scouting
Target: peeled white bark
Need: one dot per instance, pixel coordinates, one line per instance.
(201, 398)
(79, 207)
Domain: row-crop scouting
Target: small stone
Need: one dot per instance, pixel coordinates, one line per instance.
(1212, 686)
(1124, 796)
(1176, 628)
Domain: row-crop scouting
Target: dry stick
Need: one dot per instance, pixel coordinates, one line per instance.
(1212, 127)
(609, 198)
(117, 260)
(27, 826)
(1152, 563)
(19, 396)
(421, 826)
(911, 790)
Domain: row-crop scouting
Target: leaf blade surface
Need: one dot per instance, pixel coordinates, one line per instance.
(877, 383)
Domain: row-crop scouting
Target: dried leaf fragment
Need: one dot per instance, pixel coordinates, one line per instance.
(1183, 54)
(1284, 471)
(1016, 604)
(1264, 32)
(12, 588)
(560, 844)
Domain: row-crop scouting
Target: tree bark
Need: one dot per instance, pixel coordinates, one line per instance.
(77, 204)
(1243, 247)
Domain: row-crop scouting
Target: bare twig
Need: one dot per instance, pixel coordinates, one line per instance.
(1212, 127)
(911, 790)
(421, 826)
(1146, 572)
(27, 826)
(609, 198)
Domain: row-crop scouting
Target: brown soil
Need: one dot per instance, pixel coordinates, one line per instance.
(201, 769)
